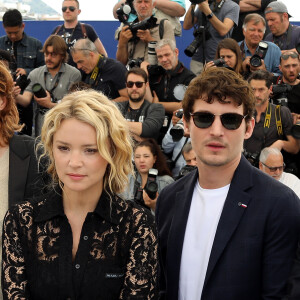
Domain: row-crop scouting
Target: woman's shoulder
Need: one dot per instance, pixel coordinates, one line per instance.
(165, 179)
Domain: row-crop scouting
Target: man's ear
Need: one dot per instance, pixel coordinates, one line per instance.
(79, 11)
(260, 165)
(249, 128)
(186, 125)
(2, 102)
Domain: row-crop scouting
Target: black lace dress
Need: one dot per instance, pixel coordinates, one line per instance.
(116, 256)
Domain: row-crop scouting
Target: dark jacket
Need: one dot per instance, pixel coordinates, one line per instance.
(255, 241)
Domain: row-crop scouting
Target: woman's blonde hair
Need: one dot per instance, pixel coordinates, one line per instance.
(113, 138)
(9, 116)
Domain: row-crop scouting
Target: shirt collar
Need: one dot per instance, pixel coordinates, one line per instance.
(109, 207)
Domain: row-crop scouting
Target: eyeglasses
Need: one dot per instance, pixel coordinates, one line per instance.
(138, 84)
(274, 169)
(230, 121)
(52, 54)
(292, 55)
(71, 8)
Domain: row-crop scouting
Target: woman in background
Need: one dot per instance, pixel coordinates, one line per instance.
(230, 51)
(147, 155)
(81, 241)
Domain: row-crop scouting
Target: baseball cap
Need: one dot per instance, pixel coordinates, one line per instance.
(277, 7)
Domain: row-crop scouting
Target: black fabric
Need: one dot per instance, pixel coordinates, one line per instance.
(116, 256)
(110, 79)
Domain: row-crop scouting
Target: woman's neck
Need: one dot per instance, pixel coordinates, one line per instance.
(144, 177)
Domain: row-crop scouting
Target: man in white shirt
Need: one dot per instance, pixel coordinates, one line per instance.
(226, 230)
(271, 162)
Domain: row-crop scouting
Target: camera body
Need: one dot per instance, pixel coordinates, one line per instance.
(148, 23)
(177, 131)
(253, 158)
(280, 94)
(295, 131)
(124, 10)
(135, 62)
(260, 53)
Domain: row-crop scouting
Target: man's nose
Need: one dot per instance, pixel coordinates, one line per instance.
(216, 127)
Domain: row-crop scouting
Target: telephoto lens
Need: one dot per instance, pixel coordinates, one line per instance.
(38, 91)
(152, 58)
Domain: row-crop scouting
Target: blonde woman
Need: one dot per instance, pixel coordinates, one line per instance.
(81, 241)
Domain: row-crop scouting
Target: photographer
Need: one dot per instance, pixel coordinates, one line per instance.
(218, 18)
(169, 9)
(267, 53)
(273, 123)
(288, 82)
(51, 82)
(133, 44)
(25, 56)
(147, 155)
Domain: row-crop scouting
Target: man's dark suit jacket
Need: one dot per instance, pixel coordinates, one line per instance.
(255, 241)
(24, 179)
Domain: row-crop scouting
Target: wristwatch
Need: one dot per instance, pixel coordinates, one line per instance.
(210, 15)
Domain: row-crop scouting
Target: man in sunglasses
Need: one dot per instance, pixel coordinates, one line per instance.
(144, 118)
(271, 163)
(226, 230)
(72, 30)
(285, 35)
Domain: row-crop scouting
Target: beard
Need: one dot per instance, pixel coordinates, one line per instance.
(138, 99)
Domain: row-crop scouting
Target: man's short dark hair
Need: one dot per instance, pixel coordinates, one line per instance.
(137, 71)
(219, 83)
(12, 18)
(262, 75)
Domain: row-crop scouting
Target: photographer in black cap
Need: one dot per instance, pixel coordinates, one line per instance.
(135, 38)
(215, 20)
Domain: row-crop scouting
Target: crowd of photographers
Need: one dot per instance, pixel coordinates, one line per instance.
(148, 82)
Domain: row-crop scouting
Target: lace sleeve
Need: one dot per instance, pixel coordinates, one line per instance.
(14, 283)
(141, 272)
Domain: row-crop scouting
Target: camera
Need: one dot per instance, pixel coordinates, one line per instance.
(198, 40)
(38, 91)
(260, 53)
(135, 62)
(220, 62)
(280, 94)
(22, 81)
(124, 10)
(185, 170)
(177, 131)
(151, 188)
(295, 131)
(253, 158)
(148, 23)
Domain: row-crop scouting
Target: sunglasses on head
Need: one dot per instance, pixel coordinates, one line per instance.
(274, 169)
(230, 121)
(292, 55)
(71, 8)
(138, 84)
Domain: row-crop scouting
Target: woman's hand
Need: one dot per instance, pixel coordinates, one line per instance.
(209, 65)
(148, 201)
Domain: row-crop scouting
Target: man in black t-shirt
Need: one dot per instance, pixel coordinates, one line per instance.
(72, 30)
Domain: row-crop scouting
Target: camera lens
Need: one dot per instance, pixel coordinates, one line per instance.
(255, 61)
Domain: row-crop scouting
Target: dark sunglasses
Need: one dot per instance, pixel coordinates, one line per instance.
(230, 121)
(138, 84)
(274, 169)
(292, 55)
(71, 8)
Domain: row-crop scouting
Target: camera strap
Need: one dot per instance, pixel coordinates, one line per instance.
(55, 85)
(95, 77)
(277, 119)
(180, 152)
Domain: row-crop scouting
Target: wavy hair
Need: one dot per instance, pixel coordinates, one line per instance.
(113, 137)
(160, 162)
(9, 115)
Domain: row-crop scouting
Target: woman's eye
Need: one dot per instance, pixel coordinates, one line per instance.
(63, 148)
(91, 150)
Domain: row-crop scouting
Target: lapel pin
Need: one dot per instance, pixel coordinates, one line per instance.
(242, 204)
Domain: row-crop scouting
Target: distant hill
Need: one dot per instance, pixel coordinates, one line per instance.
(38, 6)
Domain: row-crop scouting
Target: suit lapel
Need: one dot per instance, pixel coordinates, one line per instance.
(177, 231)
(234, 208)
(18, 167)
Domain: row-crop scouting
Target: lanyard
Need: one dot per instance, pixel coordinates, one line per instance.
(55, 84)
